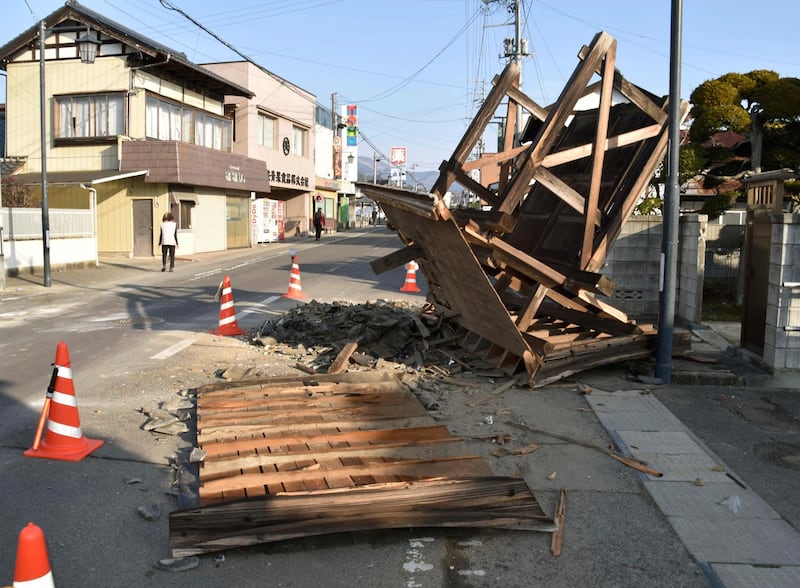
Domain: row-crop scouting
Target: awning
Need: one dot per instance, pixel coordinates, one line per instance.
(178, 195)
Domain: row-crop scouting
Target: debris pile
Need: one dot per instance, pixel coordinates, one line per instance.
(392, 331)
(521, 275)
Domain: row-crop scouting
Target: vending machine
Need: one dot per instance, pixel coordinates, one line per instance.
(267, 220)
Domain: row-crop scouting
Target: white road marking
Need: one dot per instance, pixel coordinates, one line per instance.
(170, 351)
(265, 302)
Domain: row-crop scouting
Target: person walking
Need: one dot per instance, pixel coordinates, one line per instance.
(168, 239)
(319, 222)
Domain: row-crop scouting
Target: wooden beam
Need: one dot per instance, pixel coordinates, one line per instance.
(482, 191)
(396, 259)
(556, 118)
(490, 158)
(560, 189)
(519, 260)
(591, 214)
(583, 151)
(527, 103)
(526, 318)
(508, 79)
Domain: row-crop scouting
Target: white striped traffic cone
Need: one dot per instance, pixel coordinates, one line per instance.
(295, 287)
(411, 278)
(32, 569)
(227, 313)
(64, 439)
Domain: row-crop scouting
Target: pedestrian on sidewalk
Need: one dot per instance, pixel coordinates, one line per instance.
(319, 222)
(168, 239)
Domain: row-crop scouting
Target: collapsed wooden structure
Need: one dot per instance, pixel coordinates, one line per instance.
(522, 275)
(299, 457)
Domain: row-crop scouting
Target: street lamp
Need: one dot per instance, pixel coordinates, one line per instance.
(87, 49)
(375, 160)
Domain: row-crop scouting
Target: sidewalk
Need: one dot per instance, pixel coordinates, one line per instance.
(115, 270)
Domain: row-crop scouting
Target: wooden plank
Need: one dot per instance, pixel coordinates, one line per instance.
(340, 363)
(345, 438)
(220, 467)
(492, 502)
(411, 467)
(233, 431)
(557, 539)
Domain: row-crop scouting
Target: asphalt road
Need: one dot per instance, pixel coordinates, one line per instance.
(137, 337)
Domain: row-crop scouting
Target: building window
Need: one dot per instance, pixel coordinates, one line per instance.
(170, 121)
(299, 138)
(90, 116)
(266, 130)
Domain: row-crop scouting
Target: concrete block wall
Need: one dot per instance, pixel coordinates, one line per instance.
(782, 330)
(634, 264)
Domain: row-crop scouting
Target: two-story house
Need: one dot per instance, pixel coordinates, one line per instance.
(137, 133)
(275, 124)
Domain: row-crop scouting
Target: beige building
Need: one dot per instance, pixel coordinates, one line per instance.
(138, 132)
(275, 125)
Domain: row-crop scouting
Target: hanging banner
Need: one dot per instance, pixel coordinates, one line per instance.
(337, 157)
(351, 120)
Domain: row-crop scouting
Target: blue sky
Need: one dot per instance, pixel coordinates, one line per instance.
(417, 68)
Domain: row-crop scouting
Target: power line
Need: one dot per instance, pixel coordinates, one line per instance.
(167, 4)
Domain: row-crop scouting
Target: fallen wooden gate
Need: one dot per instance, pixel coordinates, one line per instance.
(298, 457)
(520, 276)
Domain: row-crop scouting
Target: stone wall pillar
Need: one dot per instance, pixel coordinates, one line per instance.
(782, 329)
(691, 267)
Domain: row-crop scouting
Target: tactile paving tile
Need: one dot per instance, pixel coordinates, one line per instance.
(685, 499)
(747, 576)
(633, 413)
(756, 541)
(664, 442)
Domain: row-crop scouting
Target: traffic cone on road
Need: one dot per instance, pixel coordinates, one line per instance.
(411, 278)
(227, 313)
(64, 439)
(295, 287)
(32, 569)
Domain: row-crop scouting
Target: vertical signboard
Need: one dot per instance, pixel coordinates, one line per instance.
(351, 120)
(337, 157)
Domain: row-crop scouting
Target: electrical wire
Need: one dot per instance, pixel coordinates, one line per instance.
(396, 88)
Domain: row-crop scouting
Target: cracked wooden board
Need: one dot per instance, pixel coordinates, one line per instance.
(275, 449)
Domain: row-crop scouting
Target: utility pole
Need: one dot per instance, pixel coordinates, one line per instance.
(375, 160)
(669, 243)
(515, 49)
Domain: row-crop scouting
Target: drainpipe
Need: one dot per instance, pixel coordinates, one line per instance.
(93, 208)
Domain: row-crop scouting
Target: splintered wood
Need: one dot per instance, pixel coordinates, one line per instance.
(289, 457)
(520, 275)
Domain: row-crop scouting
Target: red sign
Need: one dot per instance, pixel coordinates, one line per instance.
(398, 156)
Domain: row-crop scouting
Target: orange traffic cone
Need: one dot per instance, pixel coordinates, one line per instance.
(295, 287)
(227, 313)
(411, 278)
(33, 566)
(64, 439)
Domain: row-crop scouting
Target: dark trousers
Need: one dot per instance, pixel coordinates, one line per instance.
(168, 250)
(318, 229)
